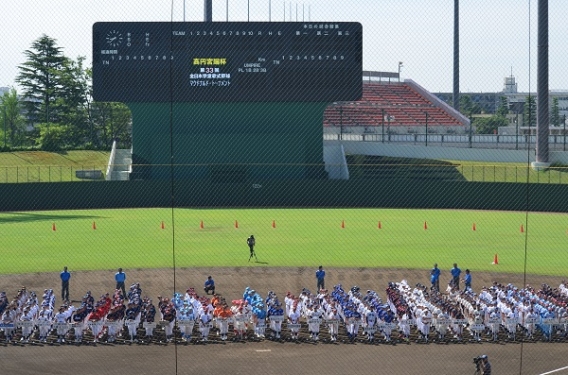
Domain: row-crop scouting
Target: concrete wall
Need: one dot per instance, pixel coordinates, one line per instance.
(447, 153)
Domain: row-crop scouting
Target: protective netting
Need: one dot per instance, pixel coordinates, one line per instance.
(287, 188)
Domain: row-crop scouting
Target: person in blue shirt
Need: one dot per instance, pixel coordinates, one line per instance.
(456, 272)
(320, 276)
(209, 285)
(120, 278)
(65, 276)
(435, 277)
(467, 279)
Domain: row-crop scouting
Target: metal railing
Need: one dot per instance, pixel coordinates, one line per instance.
(49, 173)
(513, 142)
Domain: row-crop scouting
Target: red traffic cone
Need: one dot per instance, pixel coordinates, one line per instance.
(495, 259)
(273, 223)
(201, 224)
(236, 224)
(163, 225)
(425, 225)
(342, 224)
(473, 227)
(379, 225)
(94, 225)
(53, 227)
(522, 229)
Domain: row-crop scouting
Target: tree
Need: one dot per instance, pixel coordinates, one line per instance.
(52, 136)
(468, 107)
(73, 100)
(503, 108)
(489, 125)
(529, 112)
(11, 118)
(555, 113)
(40, 78)
(112, 121)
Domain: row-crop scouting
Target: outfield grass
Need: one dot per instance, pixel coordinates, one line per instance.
(41, 166)
(133, 238)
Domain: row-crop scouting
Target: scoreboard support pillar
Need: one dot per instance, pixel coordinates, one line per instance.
(228, 142)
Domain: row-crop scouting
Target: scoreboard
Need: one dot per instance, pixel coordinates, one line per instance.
(227, 61)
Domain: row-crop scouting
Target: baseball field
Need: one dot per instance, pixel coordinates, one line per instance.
(386, 238)
(170, 250)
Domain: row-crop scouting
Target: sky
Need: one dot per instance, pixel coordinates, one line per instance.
(496, 37)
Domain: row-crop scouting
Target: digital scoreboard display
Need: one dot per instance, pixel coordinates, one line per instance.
(227, 61)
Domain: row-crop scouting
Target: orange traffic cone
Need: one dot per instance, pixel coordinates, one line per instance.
(273, 223)
(473, 227)
(94, 225)
(236, 224)
(201, 224)
(425, 225)
(53, 227)
(522, 229)
(342, 224)
(379, 225)
(163, 226)
(495, 259)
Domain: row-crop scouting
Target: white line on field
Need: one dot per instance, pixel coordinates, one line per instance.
(553, 371)
(263, 350)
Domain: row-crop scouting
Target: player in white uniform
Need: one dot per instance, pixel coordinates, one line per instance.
(294, 318)
(314, 314)
(494, 327)
(404, 325)
(530, 318)
(370, 323)
(186, 316)
(9, 319)
(239, 322)
(61, 319)
(44, 322)
(477, 320)
(204, 321)
(333, 323)
(28, 317)
(425, 319)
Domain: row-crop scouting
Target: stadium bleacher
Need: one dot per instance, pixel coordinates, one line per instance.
(397, 104)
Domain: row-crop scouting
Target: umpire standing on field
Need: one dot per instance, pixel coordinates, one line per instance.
(65, 276)
(320, 276)
(120, 278)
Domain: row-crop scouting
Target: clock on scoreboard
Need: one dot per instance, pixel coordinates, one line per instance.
(227, 61)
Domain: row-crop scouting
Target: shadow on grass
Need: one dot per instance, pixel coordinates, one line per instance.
(28, 217)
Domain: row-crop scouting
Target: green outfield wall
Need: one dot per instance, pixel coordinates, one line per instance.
(392, 193)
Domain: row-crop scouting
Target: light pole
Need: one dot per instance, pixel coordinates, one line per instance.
(5, 115)
(517, 131)
(341, 122)
(383, 126)
(564, 147)
(470, 130)
(389, 128)
(426, 142)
